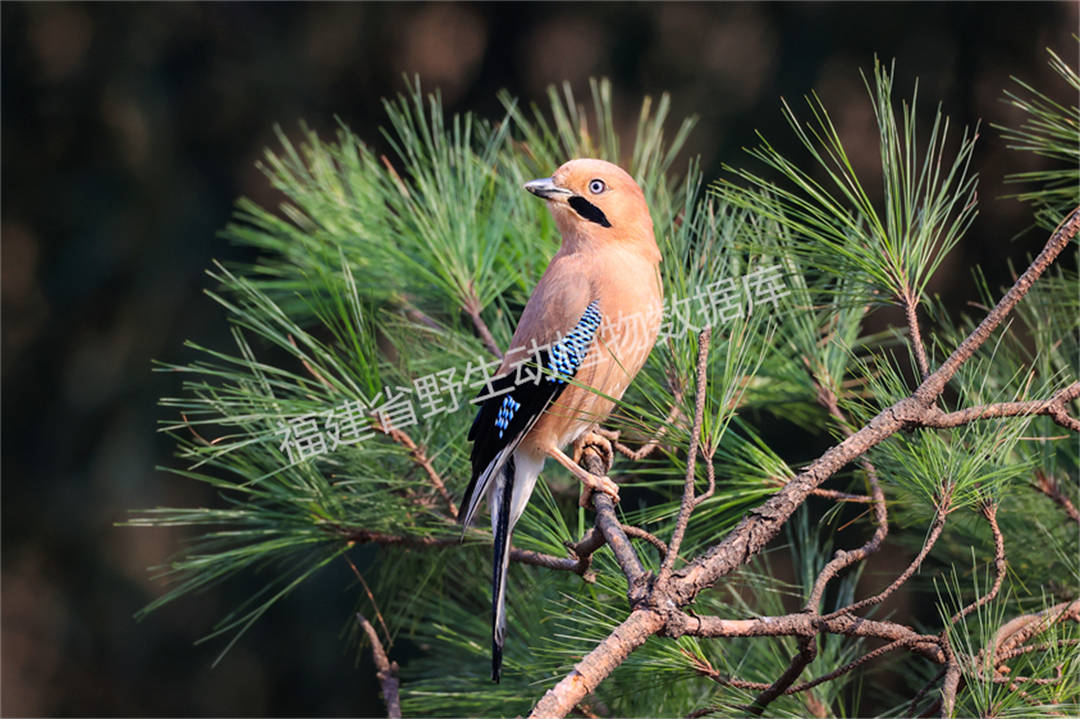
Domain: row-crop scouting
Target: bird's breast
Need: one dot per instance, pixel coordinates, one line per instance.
(631, 305)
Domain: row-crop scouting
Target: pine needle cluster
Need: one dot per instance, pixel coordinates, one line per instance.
(386, 284)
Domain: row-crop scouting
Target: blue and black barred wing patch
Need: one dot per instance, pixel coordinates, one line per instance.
(515, 405)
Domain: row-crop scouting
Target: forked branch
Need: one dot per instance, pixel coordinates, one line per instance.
(660, 614)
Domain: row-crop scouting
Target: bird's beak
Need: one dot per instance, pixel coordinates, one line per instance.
(547, 189)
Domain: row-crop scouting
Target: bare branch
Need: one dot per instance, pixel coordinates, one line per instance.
(951, 685)
(600, 662)
(1019, 630)
(365, 536)
(1041, 681)
(926, 688)
(386, 670)
(839, 496)
(578, 564)
(834, 494)
(707, 454)
(803, 624)
(853, 664)
(1028, 649)
(616, 538)
(703, 667)
(687, 505)
(703, 712)
(1054, 407)
(844, 559)
(589, 543)
(596, 460)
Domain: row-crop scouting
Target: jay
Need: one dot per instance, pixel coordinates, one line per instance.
(585, 332)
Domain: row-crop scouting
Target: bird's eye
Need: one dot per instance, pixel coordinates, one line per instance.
(597, 186)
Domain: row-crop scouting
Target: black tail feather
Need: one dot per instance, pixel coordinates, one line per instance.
(496, 661)
(505, 490)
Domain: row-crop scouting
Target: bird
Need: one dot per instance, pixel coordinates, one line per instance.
(584, 333)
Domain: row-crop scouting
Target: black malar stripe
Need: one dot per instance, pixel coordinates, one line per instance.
(589, 211)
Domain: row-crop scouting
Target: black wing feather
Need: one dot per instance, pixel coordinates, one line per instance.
(505, 416)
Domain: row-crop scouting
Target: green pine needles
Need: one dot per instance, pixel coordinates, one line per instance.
(387, 285)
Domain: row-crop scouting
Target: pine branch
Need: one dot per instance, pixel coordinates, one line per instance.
(351, 312)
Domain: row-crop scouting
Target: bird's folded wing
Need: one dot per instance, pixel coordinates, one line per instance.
(514, 406)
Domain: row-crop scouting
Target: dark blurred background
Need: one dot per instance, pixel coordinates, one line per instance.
(130, 129)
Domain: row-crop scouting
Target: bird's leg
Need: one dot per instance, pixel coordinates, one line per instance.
(590, 481)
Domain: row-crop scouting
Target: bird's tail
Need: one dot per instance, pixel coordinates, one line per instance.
(501, 527)
(510, 493)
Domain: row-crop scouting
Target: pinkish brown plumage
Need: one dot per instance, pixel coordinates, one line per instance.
(598, 307)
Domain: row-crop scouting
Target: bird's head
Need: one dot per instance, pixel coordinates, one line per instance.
(594, 200)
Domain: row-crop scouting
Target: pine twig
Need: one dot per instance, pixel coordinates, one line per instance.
(926, 688)
(852, 665)
(687, 505)
(990, 512)
(801, 624)
(1028, 649)
(839, 496)
(935, 531)
(951, 684)
(1049, 486)
(1059, 240)
(418, 455)
(844, 559)
(1019, 630)
(910, 304)
(654, 441)
(472, 308)
(807, 652)
(386, 670)
(639, 533)
(703, 667)
(710, 474)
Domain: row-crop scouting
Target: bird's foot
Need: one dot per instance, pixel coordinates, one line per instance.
(589, 444)
(595, 443)
(596, 484)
